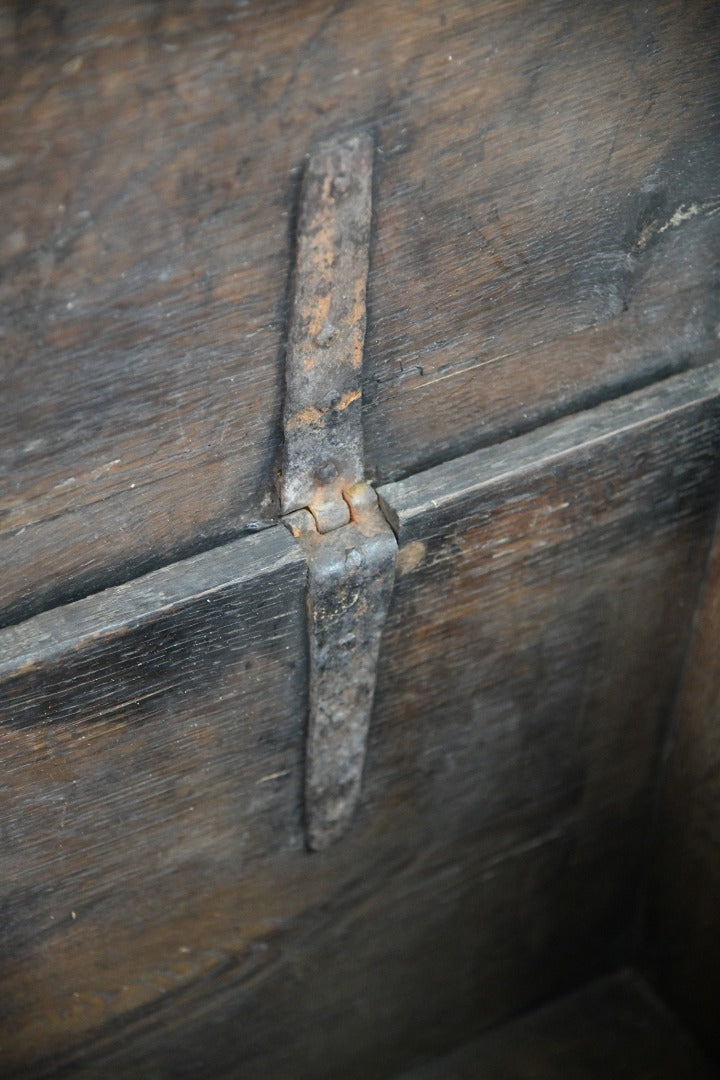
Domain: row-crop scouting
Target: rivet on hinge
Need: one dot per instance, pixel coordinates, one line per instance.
(328, 507)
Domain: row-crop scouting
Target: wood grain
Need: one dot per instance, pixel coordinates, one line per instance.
(160, 914)
(684, 895)
(545, 236)
(144, 729)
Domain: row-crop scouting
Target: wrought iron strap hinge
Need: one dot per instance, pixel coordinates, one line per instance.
(326, 503)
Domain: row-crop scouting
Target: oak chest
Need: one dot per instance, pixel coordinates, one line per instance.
(532, 231)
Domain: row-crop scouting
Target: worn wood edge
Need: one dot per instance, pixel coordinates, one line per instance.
(59, 630)
(408, 504)
(431, 498)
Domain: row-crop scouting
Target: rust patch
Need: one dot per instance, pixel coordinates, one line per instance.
(347, 400)
(410, 556)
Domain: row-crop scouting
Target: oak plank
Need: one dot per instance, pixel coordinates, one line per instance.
(545, 236)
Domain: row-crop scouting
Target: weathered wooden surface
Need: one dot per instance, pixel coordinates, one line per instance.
(544, 235)
(615, 1029)
(161, 917)
(151, 743)
(684, 900)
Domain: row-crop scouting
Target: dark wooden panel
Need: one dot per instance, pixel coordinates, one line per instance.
(162, 917)
(151, 745)
(545, 235)
(615, 1028)
(685, 882)
(382, 952)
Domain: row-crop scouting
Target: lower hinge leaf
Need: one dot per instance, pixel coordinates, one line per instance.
(350, 581)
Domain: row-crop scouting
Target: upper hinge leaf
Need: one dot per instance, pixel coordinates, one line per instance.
(323, 454)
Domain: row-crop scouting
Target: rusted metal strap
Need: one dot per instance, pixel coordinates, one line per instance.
(323, 454)
(328, 507)
(350, 581)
